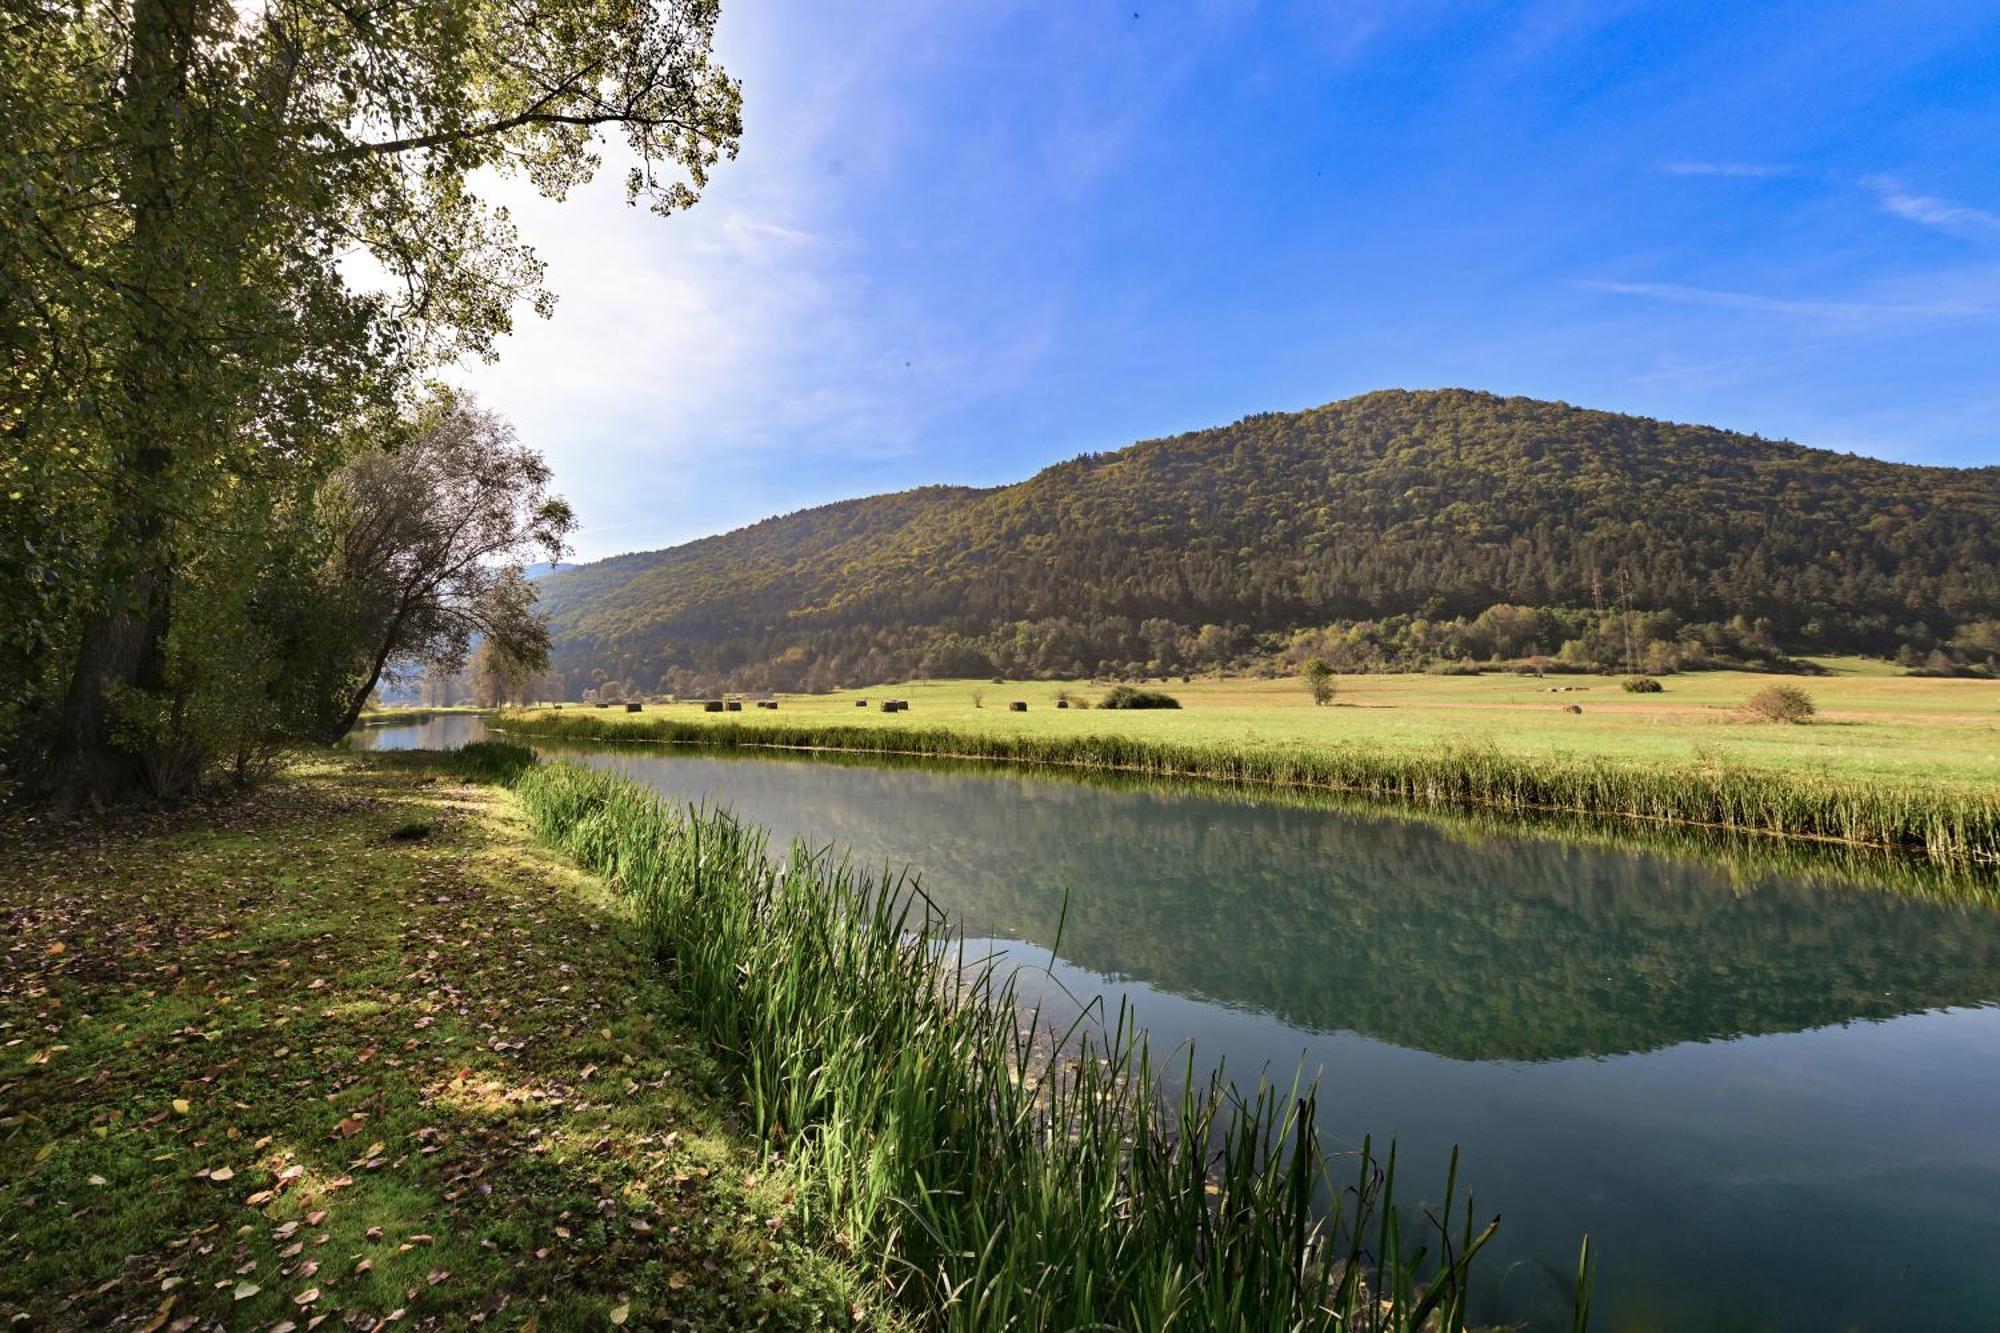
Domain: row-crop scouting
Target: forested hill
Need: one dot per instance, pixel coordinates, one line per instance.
(1407, 512)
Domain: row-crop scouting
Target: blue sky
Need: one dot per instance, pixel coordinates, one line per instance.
(965, 240)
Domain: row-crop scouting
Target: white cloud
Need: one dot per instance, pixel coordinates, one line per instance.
(1973, 224)
(1736, 170)
(1831, 311)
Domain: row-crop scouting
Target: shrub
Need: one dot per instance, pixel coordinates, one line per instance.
(1126, 696)
(1780, 703)
(1640, 685)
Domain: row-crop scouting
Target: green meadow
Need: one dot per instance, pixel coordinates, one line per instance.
(1873, 722)
(1887, 761)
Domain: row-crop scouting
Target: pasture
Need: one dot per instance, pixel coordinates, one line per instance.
(1874, 723)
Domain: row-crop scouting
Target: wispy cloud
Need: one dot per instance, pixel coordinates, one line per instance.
(1973, 224)
(1736, 170)
(1842, 311)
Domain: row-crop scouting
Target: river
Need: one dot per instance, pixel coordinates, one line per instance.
(1772, 1098)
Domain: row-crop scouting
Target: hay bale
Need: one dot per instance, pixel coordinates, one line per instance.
(733, 705)
(767, 703)
(860, 703)
(1062, 703)
(632, 708)
(1018, 706)
(711, 705)
(1572, 708)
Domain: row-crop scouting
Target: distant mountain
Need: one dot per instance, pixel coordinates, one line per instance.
(547, 568)
(1411, 511)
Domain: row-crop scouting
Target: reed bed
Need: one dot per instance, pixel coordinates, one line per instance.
(1943, 824)
(1007, 1176)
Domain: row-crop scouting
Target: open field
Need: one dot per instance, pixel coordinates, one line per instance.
(1892, 762)
(1874, 722)
(270, 1061)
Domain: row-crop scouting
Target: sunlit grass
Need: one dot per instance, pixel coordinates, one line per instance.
(1471, 742)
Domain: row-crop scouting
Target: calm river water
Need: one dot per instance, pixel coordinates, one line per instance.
(1772, 1103)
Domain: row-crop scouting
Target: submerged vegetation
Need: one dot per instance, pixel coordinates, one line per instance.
(1943, 823)
(1006, 1176)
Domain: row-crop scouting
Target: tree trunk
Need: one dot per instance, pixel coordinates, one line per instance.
(360, 700)
(124, 641)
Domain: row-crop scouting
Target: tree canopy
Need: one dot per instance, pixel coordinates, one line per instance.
(1391, 529)
(233, 239)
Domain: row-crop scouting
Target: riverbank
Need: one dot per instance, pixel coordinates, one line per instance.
(404, 716)
(354, 1047)
(1479, 743)
(924, 1121)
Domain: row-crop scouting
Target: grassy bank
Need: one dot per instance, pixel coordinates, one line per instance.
(1703, 786)
(996, 1188)
(404, 716)
(1874, 723)
(353, 1046)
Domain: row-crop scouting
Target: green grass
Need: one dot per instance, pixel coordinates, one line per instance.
(1001, 1175)
(1891, 762)
(265, 1061)
(1874, 723)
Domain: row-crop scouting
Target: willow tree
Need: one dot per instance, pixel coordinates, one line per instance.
(431, 548)
(230, 230)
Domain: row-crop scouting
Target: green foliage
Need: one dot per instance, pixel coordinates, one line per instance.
(190, 348)
(1781, 703)
(1419, 525)
(1126, 696)
(488, 761)
(1319, 678)
(1640, 685)
(1008, 1180)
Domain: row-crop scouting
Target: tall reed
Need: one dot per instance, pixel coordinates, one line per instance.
(1945, 824)
(1008, 1176)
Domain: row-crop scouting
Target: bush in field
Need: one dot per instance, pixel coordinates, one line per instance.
(1640, 685)
(1319, 679)
(1125, 696)
(1780, 703)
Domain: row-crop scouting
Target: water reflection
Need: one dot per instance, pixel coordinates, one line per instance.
(1767, 1096)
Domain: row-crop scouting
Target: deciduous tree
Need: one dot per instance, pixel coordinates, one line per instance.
(194, 191)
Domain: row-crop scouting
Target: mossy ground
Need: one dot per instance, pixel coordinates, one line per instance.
(265, 1064)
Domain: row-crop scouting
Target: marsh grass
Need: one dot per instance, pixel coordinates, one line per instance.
(1002, 1175)
(1942, 823)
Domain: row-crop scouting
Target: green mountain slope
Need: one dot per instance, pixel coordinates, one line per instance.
(1393, 505)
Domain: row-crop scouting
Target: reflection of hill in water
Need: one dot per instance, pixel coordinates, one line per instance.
(1494, 948)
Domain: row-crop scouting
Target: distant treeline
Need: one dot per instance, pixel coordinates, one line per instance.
(1394, 530)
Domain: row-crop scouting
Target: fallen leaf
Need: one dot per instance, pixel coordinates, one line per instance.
(181, 1106)
(620, 1313)
(245, 1290)
(222, 1173)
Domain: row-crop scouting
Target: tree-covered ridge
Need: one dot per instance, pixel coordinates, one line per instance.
(1182, 551)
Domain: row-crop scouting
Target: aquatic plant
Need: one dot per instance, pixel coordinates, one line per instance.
(1007, 1174)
